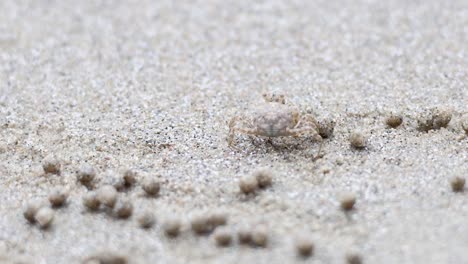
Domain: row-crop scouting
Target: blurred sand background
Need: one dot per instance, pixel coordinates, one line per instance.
(151, 85)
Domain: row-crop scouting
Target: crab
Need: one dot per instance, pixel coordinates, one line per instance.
(275, 118)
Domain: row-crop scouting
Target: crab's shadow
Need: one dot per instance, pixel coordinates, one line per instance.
(288, 147)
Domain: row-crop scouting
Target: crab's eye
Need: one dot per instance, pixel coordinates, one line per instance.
(295, 117)
(281, 99)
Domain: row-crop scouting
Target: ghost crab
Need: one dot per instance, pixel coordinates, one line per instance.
(275, 118)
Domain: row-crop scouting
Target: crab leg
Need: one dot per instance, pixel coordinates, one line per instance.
(318, 156)
(233, 129)
(232, 124)
(299, 131)
(305, 130)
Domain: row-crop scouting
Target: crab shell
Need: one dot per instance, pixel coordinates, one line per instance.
(275, 119)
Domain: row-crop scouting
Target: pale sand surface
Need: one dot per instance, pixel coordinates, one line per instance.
(108, 82)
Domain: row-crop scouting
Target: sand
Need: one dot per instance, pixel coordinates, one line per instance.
(151, 85)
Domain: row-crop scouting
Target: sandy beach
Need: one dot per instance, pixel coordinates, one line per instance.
(152, 85)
